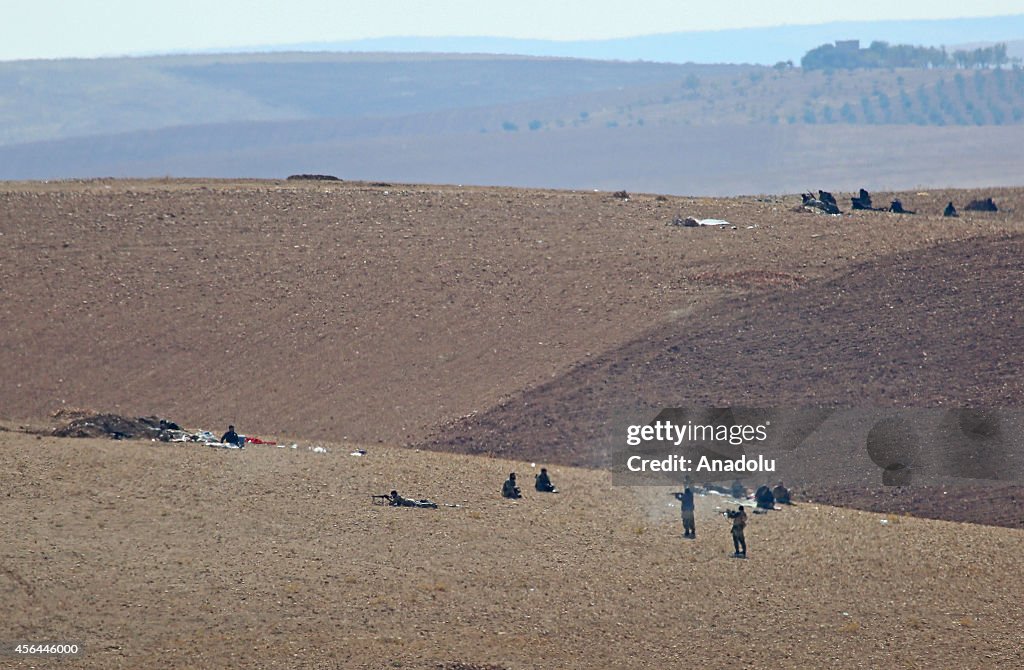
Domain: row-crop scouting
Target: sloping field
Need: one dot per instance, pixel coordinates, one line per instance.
(381, 312)
(937, 327)
(498, 321)
(171, 556)
(511, 323)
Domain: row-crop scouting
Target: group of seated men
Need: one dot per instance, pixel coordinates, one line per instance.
(767, 497)
(541, 482)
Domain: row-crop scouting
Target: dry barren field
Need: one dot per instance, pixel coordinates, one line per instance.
(418, 322)
(379, 312)
(181, 556)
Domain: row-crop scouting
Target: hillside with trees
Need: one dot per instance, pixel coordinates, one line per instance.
(504, 120)
(847, 55)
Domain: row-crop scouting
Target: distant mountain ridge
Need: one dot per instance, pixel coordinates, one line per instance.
(763, 46)
(634, 120)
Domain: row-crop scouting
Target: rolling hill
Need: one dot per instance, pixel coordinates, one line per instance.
(529, 122)
(348, 318)
(504, 322)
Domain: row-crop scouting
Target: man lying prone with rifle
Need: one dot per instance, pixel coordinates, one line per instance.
(395, 500)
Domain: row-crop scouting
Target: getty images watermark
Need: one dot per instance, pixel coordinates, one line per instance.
(674, 435)
(809, 445)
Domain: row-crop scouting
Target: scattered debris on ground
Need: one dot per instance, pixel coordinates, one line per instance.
(690, 222)
(986, 205)
(79, 423)
(621, 195)
(118, 427)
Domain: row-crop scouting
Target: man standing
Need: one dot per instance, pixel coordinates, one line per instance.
(739, 523)
(686, 510)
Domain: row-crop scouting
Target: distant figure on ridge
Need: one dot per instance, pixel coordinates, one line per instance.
(862, 201)
(231, 437)
(950, 210)
(897, 208)
(542, 482)
(509, 488)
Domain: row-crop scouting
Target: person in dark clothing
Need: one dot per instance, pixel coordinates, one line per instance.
(686, 511)
(231, 437)
(739, 523)
(764, 498)
(396, 500)
(782, 495)
(542, 482)
(738, 490)
(509, 488)
(950, 210)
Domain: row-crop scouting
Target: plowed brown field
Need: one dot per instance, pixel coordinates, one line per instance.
(180, 556)
(498, 322)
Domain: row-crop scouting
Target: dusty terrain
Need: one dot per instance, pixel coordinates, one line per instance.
(353, 311)
(503, 323)
(164, 556)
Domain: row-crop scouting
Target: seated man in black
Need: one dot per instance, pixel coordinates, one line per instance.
(738, 490)
(509, 488)
(231, 437)
(765, 498)
(543, 483)
(781, 494)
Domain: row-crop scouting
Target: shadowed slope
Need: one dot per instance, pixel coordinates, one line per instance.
(931, 328)
(379, 312)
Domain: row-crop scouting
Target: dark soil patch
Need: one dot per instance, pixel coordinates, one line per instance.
(118, 427)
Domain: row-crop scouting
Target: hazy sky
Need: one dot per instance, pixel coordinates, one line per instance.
(84, 28)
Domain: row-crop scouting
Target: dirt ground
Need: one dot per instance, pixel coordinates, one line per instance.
(350, 311)
(157, 555)
(495, 322)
